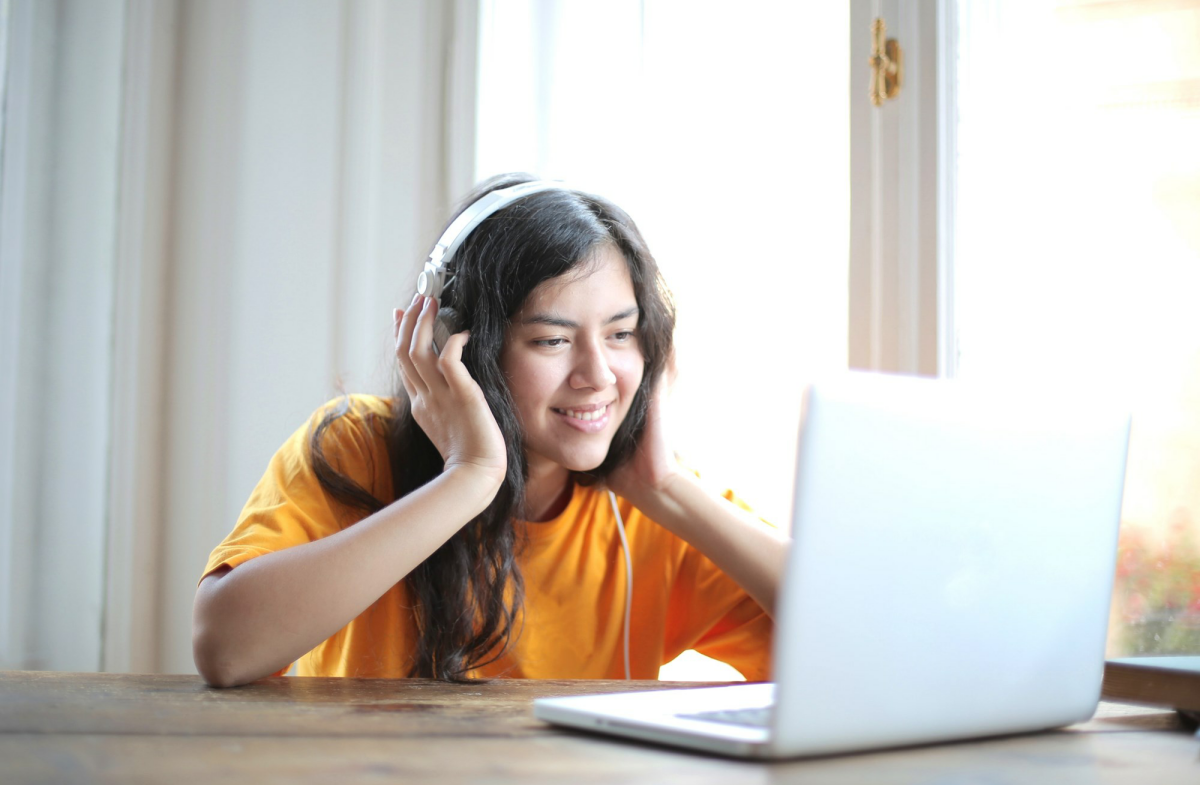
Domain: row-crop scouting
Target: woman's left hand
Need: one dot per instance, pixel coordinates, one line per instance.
(649, 473)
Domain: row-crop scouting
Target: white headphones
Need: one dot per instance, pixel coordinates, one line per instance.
(432, 279)
(432, 282)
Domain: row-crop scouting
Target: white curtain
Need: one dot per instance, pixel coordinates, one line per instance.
(209, 209)
(57, 238)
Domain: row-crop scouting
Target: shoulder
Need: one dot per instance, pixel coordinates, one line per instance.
(350, 432)
(358, 406)
(347, 439)
(352, 416)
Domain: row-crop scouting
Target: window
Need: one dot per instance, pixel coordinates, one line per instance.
(1077, 254)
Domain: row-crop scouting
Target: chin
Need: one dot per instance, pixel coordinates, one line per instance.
(589, 465)
(574, 455)
(582, 461)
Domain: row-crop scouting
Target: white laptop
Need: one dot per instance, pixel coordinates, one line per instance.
(950, 577)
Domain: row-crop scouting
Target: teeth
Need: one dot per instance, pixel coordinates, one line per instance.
(585, 416)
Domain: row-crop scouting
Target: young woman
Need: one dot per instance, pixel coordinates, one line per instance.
(473, 525)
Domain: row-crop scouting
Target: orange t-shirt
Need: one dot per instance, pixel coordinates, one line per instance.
(573, 567)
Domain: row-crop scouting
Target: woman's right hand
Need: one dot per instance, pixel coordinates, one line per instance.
(446, 402)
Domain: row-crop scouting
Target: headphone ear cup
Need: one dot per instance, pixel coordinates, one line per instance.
(445, 325)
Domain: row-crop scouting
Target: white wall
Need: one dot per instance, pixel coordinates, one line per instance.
(62, 127)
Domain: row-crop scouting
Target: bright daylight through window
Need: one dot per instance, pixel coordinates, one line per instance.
(1078, 255)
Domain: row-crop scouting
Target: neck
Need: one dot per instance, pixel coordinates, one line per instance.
(547, 491)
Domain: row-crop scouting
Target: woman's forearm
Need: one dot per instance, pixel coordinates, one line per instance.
(739, 544)
(251, 621)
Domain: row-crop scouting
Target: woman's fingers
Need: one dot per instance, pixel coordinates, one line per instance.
(397, 315)
(419, 363)
(671, 371)
(420, 349)
(450, 362)
(446, 402)
(413, 383)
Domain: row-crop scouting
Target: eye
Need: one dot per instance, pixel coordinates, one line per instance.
(624, 335)
(550, 343)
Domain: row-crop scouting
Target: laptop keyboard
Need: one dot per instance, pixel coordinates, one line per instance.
(757, 717)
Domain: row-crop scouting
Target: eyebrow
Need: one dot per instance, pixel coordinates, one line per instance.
(558, 321)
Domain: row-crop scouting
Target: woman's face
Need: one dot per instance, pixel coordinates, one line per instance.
(574, 364)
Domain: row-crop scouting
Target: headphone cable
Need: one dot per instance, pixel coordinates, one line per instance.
(612, 497)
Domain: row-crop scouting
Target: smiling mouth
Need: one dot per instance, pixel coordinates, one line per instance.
(585, 415)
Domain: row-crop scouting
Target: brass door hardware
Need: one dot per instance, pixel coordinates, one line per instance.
(887, 64)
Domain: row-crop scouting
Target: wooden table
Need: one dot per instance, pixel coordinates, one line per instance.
(75, 727)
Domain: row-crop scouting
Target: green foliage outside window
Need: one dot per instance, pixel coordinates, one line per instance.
(1157, 591)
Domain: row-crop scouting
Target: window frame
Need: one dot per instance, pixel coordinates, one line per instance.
(902, 195)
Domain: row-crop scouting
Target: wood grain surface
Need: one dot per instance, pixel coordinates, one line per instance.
(64, 728)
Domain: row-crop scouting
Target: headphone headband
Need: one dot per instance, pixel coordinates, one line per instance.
(432, 279)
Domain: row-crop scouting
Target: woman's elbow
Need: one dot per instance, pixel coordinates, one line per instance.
(209, 652)
(215, 677)
(212, 664)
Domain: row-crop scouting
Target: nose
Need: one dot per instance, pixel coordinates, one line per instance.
(592, 369)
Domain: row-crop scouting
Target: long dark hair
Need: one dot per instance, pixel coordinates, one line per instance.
(468, 594)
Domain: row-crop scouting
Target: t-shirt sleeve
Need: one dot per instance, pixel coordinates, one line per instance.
(289, 506)
(715, 616)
